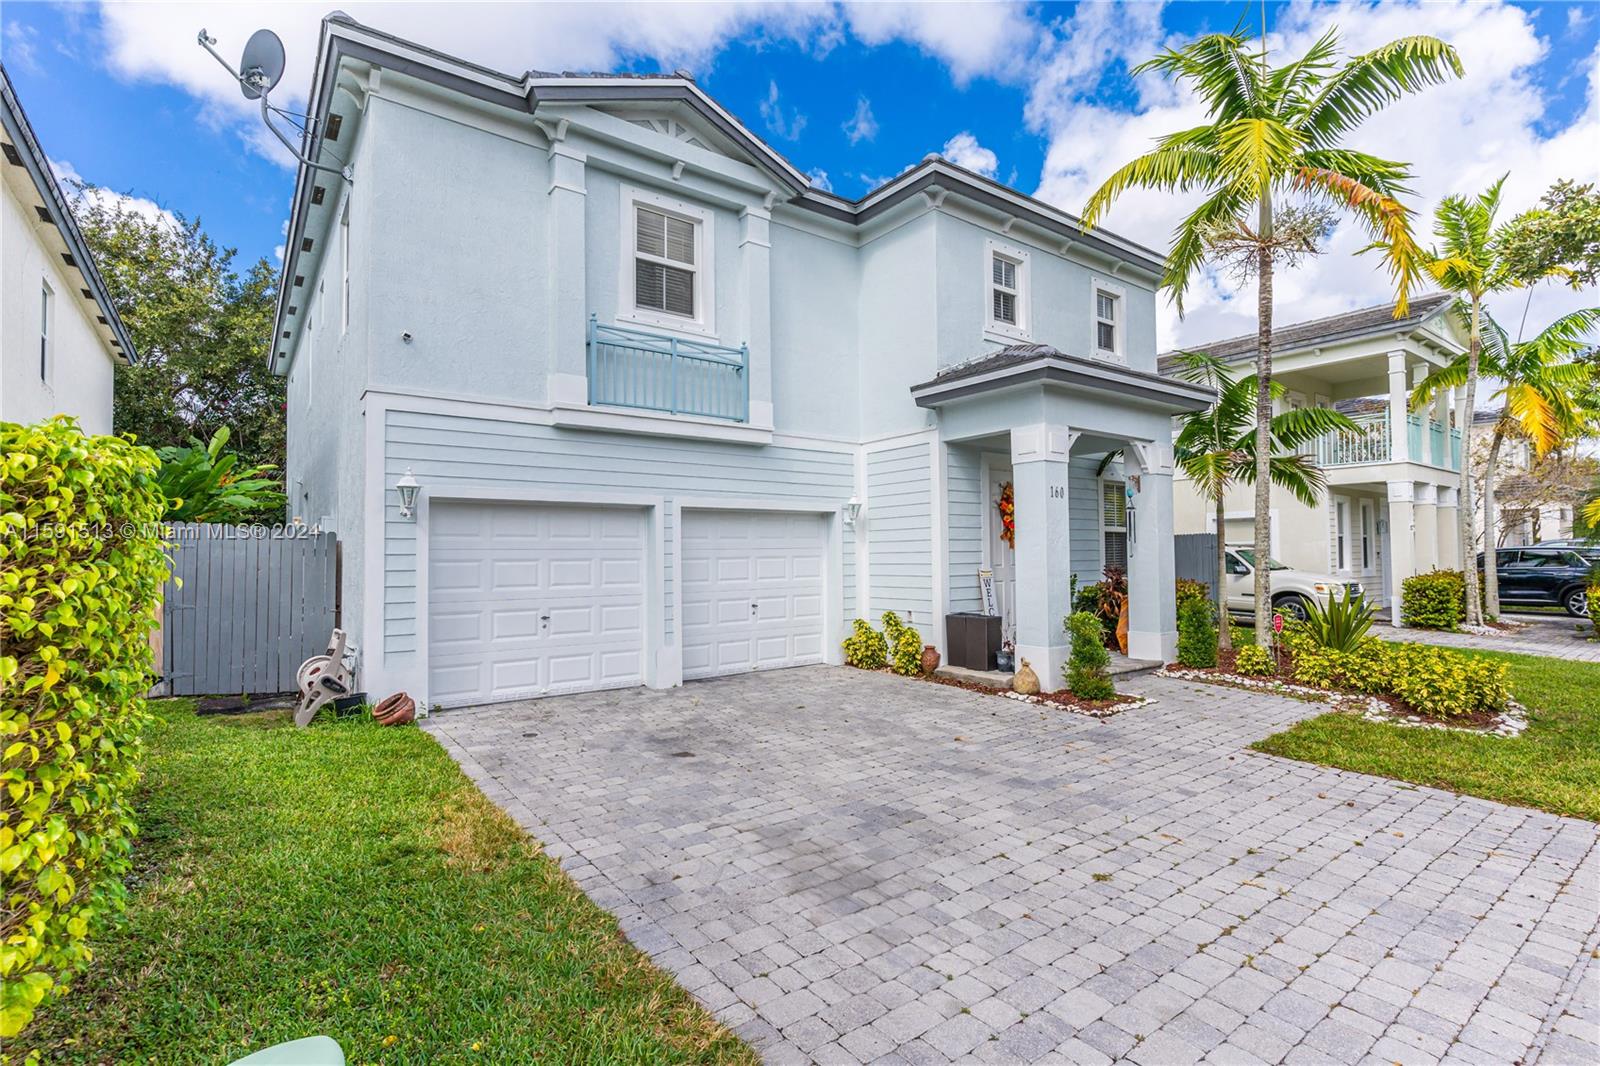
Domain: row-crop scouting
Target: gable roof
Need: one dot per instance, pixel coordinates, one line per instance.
(1362, 322)
(22, 150)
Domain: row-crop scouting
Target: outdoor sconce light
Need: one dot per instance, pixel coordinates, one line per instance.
(407, 487)
(852, 513)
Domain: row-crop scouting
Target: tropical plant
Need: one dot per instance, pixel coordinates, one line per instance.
(1340, 626)
(904, 645)
(1086, 672)
(1217, 447)
(1274, 133)
(1542, 398)
(1559, 237)
(1255, 660)
(201, 485)
(865, 647)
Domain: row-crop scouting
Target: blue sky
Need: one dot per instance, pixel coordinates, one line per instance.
(1037, 94)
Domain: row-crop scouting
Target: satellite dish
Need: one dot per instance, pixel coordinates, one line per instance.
(261, 66)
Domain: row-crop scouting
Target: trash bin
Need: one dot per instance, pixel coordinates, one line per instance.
(972, 639)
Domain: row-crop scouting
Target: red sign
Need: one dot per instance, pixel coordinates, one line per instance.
(1277, 623)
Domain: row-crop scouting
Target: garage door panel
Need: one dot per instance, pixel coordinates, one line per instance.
(733, 560)
(529, 599)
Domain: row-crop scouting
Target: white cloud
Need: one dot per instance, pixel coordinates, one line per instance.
(972, 39)
(1577, 19)
(22, 47)
(819, 179)
(863, 125)
(964, 151)
(67, 175)
(1458, 137)
(772, 114)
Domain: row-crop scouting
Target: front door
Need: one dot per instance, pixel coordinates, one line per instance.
(1000, 556)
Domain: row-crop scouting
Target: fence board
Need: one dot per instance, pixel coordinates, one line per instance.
(1194, 556)
(242, 612)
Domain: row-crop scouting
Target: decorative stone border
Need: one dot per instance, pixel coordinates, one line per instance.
(1509, 723)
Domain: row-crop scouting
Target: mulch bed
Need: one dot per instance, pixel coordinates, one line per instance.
(1064, 700)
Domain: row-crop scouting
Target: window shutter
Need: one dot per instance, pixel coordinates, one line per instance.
(652, 232)
(680, 241)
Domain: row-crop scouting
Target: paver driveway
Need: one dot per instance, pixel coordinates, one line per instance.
(851, 866)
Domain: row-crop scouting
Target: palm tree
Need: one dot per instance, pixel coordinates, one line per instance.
(1271, 132)
(1217, 447)
(1543, 399)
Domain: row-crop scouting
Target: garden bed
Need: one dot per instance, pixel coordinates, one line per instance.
(1063, 700)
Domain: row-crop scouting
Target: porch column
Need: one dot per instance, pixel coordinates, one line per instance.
(1039, 455)
(1424, 513)
(1449, 533)
(755, 308)
(1399, 435)
(1402, 543)
(1152, 573)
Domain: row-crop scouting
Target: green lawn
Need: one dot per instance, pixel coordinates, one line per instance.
(349, 880)
(1554, 766)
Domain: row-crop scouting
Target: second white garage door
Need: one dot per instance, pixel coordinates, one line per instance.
(533, 600)
(752, 591)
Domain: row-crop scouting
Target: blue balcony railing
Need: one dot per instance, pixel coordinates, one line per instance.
(657, 372)
(1369, 442)
(1436, 443)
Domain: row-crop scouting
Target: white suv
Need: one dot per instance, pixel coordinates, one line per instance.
(1292, 590)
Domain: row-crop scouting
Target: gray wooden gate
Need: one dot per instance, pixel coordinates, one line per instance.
(245, 606)
(1194, 556)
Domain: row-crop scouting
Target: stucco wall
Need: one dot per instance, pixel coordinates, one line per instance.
(80, 372)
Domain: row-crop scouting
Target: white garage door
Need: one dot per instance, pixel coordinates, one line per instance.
(533, 599)
(752, 591)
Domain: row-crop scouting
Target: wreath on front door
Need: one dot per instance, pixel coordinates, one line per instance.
(1007, 505)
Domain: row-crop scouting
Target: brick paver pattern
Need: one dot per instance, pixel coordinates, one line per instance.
(850, 867)
(1560, 636)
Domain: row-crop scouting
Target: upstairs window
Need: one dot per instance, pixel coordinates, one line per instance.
(1107, 323)
(665, 263)
(1005, 279)
(46, 297)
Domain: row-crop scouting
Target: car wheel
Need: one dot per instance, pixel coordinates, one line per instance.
(1576, 601)
(1294, 608)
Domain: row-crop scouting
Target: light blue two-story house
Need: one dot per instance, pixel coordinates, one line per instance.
(671, 412)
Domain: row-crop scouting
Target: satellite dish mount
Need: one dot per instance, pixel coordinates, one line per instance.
(260, 70)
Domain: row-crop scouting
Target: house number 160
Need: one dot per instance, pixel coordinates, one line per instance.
(1058, 492)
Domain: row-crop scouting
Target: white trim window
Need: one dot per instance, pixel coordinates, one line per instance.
(1108, 311)
(666, 277)
(1006, 291)
(1114, 523)
(1341, 534)
(1366, 534)
(47, 299)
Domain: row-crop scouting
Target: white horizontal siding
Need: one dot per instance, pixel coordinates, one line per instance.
(1083, 510)
(899, 530)
(964, 488)
(453, 450)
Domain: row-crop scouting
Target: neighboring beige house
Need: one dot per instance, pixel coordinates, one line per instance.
(1390, 508)
(60, 337)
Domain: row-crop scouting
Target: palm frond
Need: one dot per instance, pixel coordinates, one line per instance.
(1370, 82)
(1256, 152)
(1386, 219)
(1175, 168)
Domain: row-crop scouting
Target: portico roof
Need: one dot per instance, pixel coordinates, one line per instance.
(1023, 364)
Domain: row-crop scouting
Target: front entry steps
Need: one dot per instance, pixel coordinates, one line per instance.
(1120, 667)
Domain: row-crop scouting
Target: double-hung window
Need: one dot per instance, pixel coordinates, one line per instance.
(1005, 284)
(1005, 290)
(1107, 323)
(1114, 522)
(665, 263)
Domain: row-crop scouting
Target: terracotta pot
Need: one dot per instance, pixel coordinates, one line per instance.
(930, 658)
(397, 709)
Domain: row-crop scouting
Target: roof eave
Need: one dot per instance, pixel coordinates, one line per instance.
(1168, 393)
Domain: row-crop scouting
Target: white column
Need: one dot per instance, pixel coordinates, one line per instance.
(1449, 533)
(1399, 436)
(1152, 603)
(1425, 516)
(569, 303)
(1039, 455)
(755, 308)
(1402, 550)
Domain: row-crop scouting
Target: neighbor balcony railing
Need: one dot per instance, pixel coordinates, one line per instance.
(658, 372)
(1369, 442)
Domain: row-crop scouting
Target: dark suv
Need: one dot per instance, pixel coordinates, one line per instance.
(1555, 577)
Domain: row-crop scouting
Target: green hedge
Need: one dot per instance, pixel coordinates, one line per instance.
(1085, 673)
(1197, 633)
(1434, 600)
(1434, 680)
(83, 566)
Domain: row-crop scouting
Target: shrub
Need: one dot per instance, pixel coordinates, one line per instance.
(1340, 626)
(1086, 598)
(866, 647)
(83, 568)
(1085, 673)
(1186, 590)
(1363, 668)
(201, 484)
(905, 645)
(1435, 600)
(1445, 684)
(1255, 660)
(1197, 634)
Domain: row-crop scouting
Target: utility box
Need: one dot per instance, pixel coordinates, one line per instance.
(973, 639)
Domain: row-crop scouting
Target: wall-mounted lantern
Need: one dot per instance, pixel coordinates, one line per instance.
(407, 487)
(852, 513)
